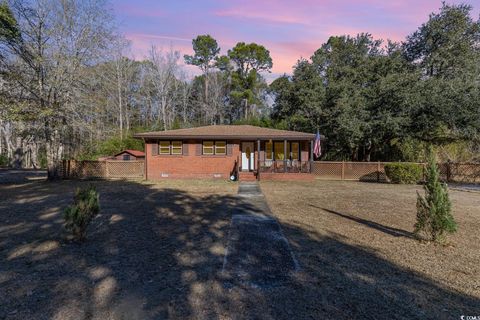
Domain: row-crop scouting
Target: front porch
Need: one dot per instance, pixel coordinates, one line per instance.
(275, 160)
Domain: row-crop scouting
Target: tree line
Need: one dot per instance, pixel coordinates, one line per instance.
(68, 88)
(67, 83)
(376, 101)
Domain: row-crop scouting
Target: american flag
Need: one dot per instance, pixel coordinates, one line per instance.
(317, 148)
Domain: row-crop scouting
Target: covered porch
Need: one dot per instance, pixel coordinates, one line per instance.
(264, 158)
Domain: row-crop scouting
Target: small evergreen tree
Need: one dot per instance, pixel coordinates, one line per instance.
(84, 208)
(434, 216)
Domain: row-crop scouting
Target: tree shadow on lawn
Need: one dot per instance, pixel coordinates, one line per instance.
(158, 253)
(380, 227)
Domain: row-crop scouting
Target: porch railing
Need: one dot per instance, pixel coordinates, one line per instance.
(281, 166)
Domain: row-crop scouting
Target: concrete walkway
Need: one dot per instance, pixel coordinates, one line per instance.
(258, 254)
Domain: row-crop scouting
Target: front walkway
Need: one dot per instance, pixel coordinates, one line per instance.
(258, 254)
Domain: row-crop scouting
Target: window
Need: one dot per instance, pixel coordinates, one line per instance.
(176, 147)
(221, 147)
(170, 147)
(295, 151)
(126, 157)
(164, 147)
(214, 147)
(208, 147)
(268, 150)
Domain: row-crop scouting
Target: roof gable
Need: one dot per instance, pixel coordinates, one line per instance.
(135, 153)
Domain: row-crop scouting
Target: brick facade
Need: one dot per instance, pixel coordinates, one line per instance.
(193, 164)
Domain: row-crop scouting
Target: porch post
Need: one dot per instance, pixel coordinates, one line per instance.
(285, 155)
(258, 159)
(311, 155)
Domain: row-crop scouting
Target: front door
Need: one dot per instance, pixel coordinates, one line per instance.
(247, 156)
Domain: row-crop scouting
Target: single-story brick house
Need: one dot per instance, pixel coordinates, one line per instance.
(221, 151)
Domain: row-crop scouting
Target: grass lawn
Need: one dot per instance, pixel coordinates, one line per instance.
(157, 251)
(355, 241)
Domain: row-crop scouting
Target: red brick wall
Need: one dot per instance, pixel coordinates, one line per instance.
(190, 165)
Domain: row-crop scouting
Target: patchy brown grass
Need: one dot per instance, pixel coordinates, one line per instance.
(146, 253)
(376, 222)
(156, 251)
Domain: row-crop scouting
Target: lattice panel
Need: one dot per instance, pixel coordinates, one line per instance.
(364, 171)
(102, 169)
(464, 172)
(124, 169)
(327, 170)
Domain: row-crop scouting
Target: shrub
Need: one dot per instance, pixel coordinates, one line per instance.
(434, 216)
(401, 172)
(110, 147)
(3, 160)
(84, 208)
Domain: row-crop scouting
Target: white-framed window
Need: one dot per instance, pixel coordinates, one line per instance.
(208, 148)
(176, 147)
(221, 147)
(164, 147)
(211, 148)
(170, 147)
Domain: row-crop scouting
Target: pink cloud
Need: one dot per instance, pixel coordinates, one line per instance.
(288, 30)
(262, 16)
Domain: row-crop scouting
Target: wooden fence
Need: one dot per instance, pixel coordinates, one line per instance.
(375, 171)
(108, 169)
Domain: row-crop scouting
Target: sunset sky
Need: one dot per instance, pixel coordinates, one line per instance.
(289, 29)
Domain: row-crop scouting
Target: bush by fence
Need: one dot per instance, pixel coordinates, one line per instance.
(375, 171)
(402, 172)
(109, 169)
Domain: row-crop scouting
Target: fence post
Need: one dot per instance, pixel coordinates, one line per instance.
(378, 171)
(64, 169)
(449, 173)
(258, 159)
(343, 170)
(423, 171)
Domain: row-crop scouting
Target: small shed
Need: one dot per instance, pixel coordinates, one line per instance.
(129, 154)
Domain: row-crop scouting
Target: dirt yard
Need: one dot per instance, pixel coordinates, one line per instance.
(157, 251)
